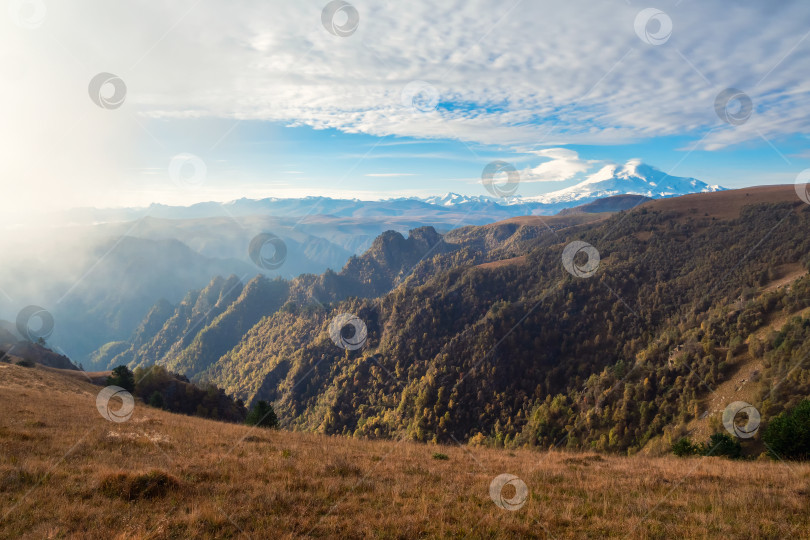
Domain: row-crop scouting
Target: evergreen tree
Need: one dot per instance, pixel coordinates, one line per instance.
(262, 415)
(788, 435)
(156, 400)
(123, 377)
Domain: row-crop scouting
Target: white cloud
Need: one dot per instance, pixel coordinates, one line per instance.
(580, 75)
(532, 73)
(563, 164)
(577, 72)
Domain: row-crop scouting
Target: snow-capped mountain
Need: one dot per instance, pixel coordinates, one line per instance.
(453, 199)
(634, 177)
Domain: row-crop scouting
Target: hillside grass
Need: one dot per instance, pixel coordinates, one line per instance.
(66, 472)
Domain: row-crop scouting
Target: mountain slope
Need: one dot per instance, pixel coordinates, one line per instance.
(615, 203)
(167, 326)
(62, 475)
(482, 335)
(506, 351)
(202, 347)
(13, 350)
(190, 337)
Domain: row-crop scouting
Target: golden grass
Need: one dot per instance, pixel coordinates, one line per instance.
(66, 472)
(723, 204)
(567, 220)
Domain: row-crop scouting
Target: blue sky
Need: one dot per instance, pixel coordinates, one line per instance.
(293, 161)
(267, 99)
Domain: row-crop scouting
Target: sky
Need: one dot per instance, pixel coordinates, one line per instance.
(125, 104)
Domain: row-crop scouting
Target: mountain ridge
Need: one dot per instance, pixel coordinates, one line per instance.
(429, 371)
(634, 177)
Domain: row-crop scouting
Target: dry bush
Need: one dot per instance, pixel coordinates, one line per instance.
(340, 466)
(130, 486)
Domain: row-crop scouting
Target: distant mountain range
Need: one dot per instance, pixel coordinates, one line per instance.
(632, 178)
(443, 212)
(115, 264)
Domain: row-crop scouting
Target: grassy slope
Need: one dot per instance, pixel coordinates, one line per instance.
(60, 465)
(741, 384)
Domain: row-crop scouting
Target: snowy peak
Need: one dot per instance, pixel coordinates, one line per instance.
(634, 177)
(453, 199)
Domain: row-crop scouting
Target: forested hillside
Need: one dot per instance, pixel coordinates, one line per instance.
(192, 335)
(484, 336)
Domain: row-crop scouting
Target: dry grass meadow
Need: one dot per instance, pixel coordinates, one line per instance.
(66, 472)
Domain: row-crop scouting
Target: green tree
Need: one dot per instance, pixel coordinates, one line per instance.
(788, 435)
(123, 377)
(262, 415)
(722, 444)
(684, 447)
(156, 400)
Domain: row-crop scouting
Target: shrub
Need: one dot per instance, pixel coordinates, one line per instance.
(440, 456)
(262, 415)
(123, 377)
(477, 440)
(788, 434)
(156, 400)
(684, 447)
(128, 486)
(25, 363)
(722, 444)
